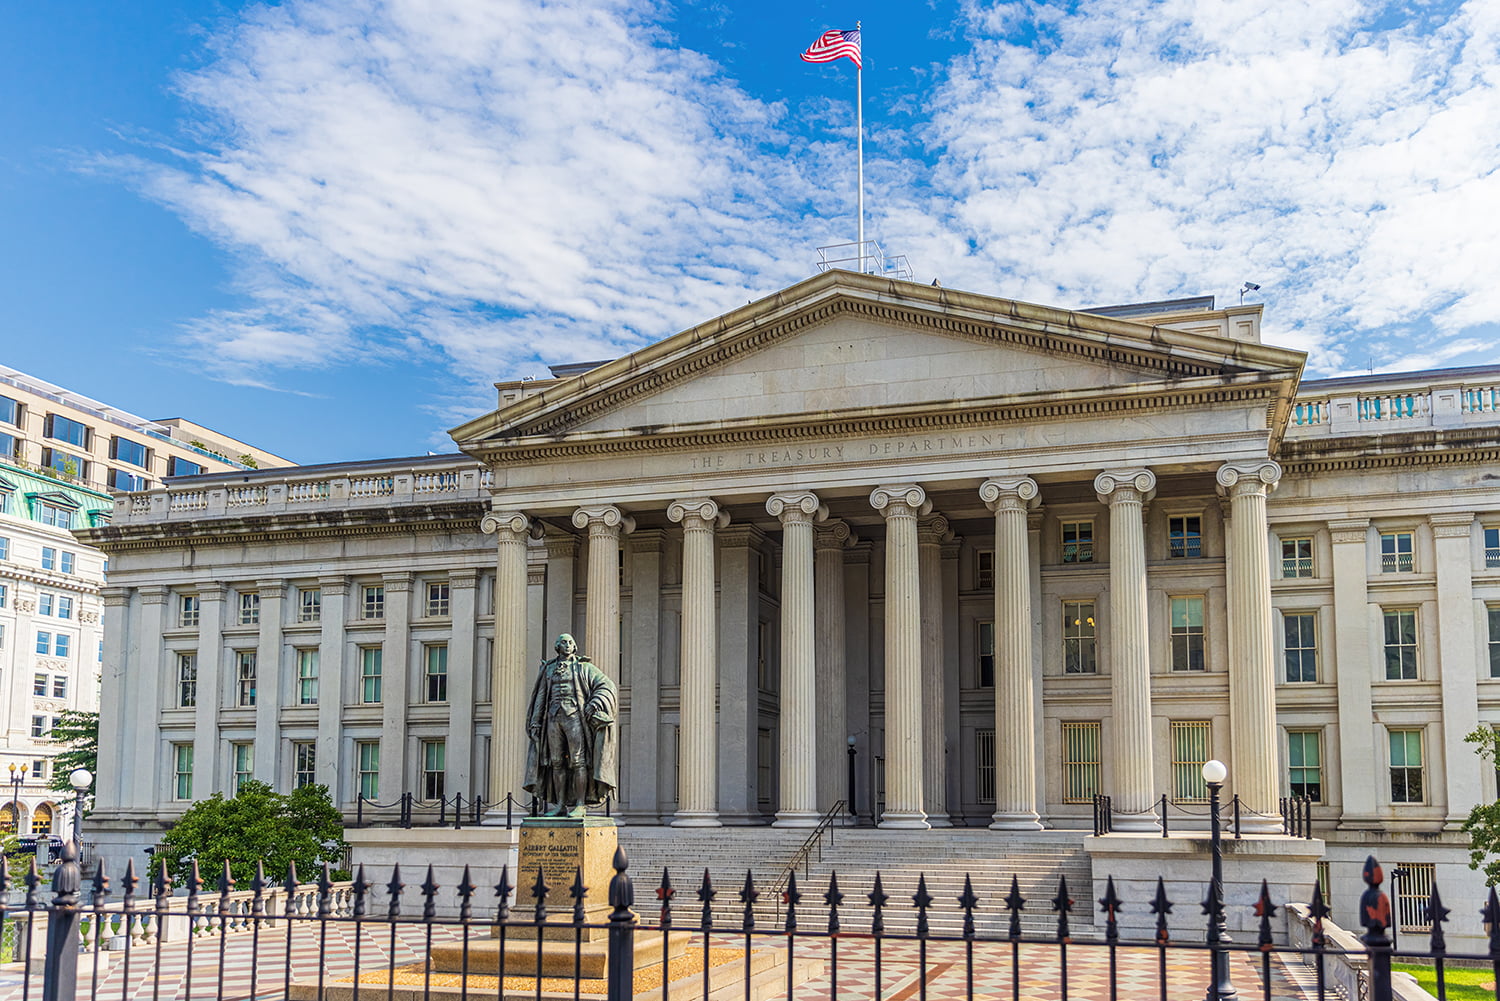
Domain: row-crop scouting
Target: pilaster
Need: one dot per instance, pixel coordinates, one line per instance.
(932, 533)
(267, 752)
(739, 694)
(463, 587)
(335, 597)
(206, 774)
(1458, 666)
(396, 688)
(830, 539)
(123, 631)
(640, 766)
(1353, 670)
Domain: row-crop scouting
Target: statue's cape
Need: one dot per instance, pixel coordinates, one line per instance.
(601, 701)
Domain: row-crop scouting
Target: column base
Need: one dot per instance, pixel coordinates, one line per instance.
(796, 818)
(1130, 823)
(696, 818)
(938, 820)
(1258, 825)
(496, 818)
(893, 820)
(1018, 820)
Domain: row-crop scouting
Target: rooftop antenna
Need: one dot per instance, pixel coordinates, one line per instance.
(1247, 287)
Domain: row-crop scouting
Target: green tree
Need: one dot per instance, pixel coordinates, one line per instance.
(78, 731)
(257, 825)
(1483, 823)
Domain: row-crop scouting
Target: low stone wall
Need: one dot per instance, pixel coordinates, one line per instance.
(1346, 964)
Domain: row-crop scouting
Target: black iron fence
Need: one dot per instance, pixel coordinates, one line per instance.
(409, 810)
(301, 939)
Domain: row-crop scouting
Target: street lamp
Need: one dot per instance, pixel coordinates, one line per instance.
(16, 781)
(1219, 985)
(853, 812)
(80, 779)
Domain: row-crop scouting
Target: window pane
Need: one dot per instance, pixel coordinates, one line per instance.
(125, 450)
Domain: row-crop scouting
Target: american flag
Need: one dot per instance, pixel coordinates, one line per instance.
(833, 45)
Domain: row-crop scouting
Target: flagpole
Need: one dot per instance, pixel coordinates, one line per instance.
(859, 145)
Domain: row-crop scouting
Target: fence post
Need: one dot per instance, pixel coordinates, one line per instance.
(458, 811)
(406, 810)
(622, 921)
(1237, 815)
(64, 924)
(359, 812)
(1163, 814)
(510, 801)
(1375, 915)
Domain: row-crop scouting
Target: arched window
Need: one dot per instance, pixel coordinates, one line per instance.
(41, 819)
(7, 819)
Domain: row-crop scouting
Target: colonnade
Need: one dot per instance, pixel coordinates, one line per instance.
(812, 657)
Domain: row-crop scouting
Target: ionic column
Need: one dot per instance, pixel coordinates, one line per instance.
(1133, 792)
(1015, 723)
(932, 532)
(697, 769)
(509, 689)
(799, 688)
(601, 614)
(901, 505)
(1252, 657)
(1459, 676)
(829, 542)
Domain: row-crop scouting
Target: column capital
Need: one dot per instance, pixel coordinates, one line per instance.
(834, 534)
(933, 530)
(560, 544)
(397, 583)
(153, 594)
(900, 499)
(509, 525)
(1452, 526)
(116, 596)
(212, 592)
(704, 509)
(465, 577)
(1349, 530)
(650, 540)
(796, 506)
(1255, 476)
(1125, 484)
(270, 589)
(1014, 492)
(603, 516)
(334, 587)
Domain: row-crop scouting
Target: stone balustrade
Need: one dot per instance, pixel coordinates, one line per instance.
(1371, 406)
(305, 490)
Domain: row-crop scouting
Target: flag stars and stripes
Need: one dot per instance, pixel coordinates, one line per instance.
(834, 44)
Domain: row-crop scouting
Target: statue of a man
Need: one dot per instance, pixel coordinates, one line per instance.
(571, 763)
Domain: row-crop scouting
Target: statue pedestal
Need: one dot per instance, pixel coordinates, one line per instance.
(558, 848)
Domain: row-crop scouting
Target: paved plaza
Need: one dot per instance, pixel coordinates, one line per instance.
(260, 966)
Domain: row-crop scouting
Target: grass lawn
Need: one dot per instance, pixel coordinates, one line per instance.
(1464, 984)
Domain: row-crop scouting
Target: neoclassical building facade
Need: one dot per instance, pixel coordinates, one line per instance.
(948, 558)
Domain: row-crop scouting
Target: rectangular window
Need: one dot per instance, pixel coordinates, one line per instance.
(249, 608)
(1400, 643)
(1395, 552)
(1184, 536)
(1412, 887)
(437, 672)
(43, 643)
(187, 610)
(1078, 542)
(984, 765)
(10, 411)
(39, 726)
(60, 428)
(183, 467)
(307, 677)
(54, 514)
(244, 765)
(125, 450)
(304, 763)
(370, 658)
(1492, 611)
(61, 645)
(367, 761)
(984, 570)
(765, 775)
(437, 599)
(59, 686)
(64, 607)
(1492, 548)
(984, 643)
(1189, 752)
(49, 558)
(309, 604)
(245, 667)
(71, 466)
(1080, 762)
(187, 680)
(39, 684)
(1304, 761)
(43, 603)
(4, 593)
(1187, 634)
(372, 601)
(182, 771)
(65, 563)
(434, 768)
(1078, 638)
(1406, 766)
(1300, 633)
(121, 479)
(4, 548)
(1296, 558)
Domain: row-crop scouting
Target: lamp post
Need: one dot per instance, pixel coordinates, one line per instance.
(17, 779)
(80, 779)
(853, 811)
(1219, 985)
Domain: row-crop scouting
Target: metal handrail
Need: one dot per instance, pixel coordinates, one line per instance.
(801, 855)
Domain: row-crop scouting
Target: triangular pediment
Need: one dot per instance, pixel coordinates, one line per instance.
(843, 345)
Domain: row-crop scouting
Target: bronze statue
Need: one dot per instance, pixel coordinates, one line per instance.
(571, 763)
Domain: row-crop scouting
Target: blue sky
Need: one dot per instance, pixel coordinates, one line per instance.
(330, 226)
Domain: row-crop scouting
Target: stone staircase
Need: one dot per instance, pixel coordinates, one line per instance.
(944, 857)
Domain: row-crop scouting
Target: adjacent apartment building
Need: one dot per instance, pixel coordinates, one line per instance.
(61, 457)
(1000, 558)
